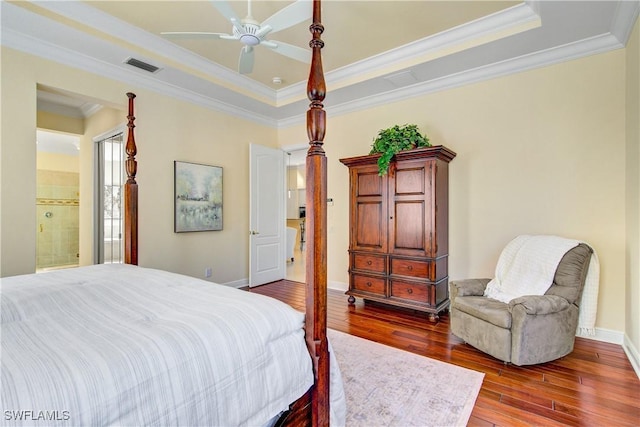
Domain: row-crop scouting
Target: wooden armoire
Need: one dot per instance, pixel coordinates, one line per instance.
(398, 244)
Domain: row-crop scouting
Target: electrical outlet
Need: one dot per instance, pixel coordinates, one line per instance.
(208, 272)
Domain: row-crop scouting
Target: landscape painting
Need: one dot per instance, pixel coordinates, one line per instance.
(198, 197)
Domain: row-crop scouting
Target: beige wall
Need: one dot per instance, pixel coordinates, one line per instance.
(167, 130)
(632, 301)
(57, 162)
(17, 167)
(538, 152)
(60, 123)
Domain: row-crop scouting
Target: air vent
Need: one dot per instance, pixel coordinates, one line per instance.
(401, 79)
(142, 65)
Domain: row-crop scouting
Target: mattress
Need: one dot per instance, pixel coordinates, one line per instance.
(125, 345)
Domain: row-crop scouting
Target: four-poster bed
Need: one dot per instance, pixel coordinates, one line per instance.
(111, 378)
(315, 404)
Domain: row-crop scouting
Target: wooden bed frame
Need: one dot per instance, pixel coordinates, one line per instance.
(313, 407)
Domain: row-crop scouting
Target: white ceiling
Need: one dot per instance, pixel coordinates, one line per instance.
(376, 51)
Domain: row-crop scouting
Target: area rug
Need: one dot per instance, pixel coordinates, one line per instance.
(385, 386)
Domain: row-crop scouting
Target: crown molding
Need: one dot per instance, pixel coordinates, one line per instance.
(46, 50)
(18, 18)
(89, 110)
(551, 56)
(567, 52)
(624, 20)
(114, 27)
(491, 25)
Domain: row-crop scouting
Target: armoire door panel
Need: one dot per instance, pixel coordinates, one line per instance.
(369, 184)
(410, 227)
(409, 181)
(370, 226)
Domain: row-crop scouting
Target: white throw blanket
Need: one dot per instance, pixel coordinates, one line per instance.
(527, 266)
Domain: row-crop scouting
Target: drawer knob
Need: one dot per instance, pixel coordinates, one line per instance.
(409, 291)
(369, 262)
(369, 284)
(410, 267)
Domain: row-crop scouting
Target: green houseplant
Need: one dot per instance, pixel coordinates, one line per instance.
(395, 139)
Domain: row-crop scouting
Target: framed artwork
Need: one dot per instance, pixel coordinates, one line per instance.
(197, 197)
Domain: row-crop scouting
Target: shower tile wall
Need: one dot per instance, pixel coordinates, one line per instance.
(57, 219)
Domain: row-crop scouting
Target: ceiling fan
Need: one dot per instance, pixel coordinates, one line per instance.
(251, 33)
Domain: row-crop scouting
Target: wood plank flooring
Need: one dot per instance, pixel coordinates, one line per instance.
(593, 386)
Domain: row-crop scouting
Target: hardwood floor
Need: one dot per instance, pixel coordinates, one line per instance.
(595, 385)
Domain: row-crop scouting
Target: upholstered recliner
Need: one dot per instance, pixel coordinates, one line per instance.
(529, 329)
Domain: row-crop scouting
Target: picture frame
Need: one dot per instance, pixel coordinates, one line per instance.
(197, 197)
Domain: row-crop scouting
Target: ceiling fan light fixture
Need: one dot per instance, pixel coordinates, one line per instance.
(249, 40)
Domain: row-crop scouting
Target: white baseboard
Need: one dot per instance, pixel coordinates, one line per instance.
(337, 286)
(632, 354)
(237, 283)
(605, 335)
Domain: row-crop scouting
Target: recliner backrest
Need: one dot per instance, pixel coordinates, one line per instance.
(571, 274)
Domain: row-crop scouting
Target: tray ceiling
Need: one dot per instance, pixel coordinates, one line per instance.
(375, 51)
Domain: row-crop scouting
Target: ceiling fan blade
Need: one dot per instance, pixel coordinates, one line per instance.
(291, 15)
(245, 65)
(294, 52)
(194, 35)
(225, 9)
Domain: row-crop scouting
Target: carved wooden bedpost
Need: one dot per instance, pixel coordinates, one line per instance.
(131, 193)
(316, 201)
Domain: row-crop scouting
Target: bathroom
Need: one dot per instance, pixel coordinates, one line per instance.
(57, 202)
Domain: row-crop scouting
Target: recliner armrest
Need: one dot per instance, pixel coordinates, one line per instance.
(468, 287)
(540, 304)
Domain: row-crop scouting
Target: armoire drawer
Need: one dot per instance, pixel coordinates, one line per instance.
(374, 285)
(368, 262)
(418, 292)
(411, 268)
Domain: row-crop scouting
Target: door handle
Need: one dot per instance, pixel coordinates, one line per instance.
(253, 233)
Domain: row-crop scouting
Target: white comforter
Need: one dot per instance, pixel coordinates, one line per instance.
(125, 345)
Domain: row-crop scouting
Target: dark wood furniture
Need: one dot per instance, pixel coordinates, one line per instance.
(313, 407)
(398, 245)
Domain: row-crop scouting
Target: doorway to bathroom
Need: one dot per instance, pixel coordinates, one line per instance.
(57, 200)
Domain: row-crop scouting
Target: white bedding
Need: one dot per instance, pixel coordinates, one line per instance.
(124, 345)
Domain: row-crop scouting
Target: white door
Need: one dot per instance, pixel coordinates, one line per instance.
(267, 215)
